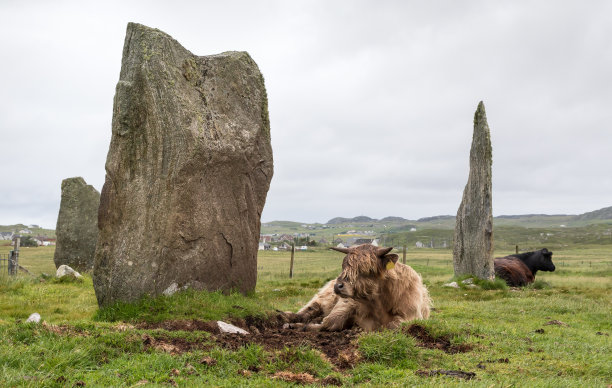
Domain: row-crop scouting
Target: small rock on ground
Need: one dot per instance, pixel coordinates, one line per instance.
(35, 317)
(229, 328)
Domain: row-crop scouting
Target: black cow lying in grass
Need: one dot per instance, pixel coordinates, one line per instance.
(519, 270)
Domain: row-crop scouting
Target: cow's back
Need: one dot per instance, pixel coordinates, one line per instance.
(406, 294)
(513, 271)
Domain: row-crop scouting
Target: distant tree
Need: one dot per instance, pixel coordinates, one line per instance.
(28, 241)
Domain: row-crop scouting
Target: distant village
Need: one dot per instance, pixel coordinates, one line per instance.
(27, 237)
(302, 241)
(305, 241)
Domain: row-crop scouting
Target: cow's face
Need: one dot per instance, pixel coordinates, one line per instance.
(545, 261)
(363, 268)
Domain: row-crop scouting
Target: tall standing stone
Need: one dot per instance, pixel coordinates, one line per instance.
(473, 245)
(187, 172)
(77, 225)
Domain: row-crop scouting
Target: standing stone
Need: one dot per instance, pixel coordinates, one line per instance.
(187, 172)
(77, 225)
(473, 249)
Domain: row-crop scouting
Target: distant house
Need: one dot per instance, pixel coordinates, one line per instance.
(303, 248)
(419, 244)
(265, 238)
(323, 241)
(284, 247)
(46, 241)
(25, 231)
(285, 237)
(360, 240)
(264, 246)
(6, 235)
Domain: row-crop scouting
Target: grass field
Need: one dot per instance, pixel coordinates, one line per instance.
(556, 334)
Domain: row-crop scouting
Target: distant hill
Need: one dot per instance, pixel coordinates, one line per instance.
(342, 220)
(530, 216)
(601, 214)
(435, 218)
(393, 219)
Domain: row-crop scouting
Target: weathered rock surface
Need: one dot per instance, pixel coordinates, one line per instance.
(77, 225)
(229, 328)
(64, 270)
(187, 172)
(473, 242)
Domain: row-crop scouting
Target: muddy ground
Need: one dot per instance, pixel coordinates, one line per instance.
(340, 348)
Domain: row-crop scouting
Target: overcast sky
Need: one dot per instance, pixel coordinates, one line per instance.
(371, 102)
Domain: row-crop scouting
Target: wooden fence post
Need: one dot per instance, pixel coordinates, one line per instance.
(517, 249)
(13, 262)
(291, 267)
(404, 255)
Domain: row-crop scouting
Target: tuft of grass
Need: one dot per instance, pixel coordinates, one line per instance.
(495, 284)
(389, 347)
(69, 278)
(187, 304)
(539, 285)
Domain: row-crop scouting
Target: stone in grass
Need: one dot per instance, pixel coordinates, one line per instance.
(452, 284)
(34, 317)
(229, 328)
(64, 270)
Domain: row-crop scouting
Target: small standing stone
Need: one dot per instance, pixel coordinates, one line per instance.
(77, 225)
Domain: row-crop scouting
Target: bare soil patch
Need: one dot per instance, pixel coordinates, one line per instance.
(339, 348)
(426, 340)
(452, 373)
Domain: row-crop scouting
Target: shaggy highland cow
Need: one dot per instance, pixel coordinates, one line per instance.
(373, 291)
(520, 269)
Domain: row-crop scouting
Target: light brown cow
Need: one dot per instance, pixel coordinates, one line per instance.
(373, 291)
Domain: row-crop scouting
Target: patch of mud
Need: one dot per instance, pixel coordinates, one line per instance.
(441, 372)
(172, 345)
(426, 340)
(305, 378)
(337, 347)
(185, 325)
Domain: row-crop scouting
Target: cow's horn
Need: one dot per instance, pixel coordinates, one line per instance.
(343, 250)
(380, 252)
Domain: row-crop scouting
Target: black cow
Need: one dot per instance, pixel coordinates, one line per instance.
(520, 269)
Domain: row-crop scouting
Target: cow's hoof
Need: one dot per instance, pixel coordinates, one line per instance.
(293, 326)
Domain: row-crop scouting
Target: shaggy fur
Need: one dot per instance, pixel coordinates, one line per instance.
(369, 293)
(520, 269)
(513, 271)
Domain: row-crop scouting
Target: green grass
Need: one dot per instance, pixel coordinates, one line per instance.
(79, 343)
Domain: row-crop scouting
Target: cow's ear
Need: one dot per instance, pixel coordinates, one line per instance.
(389, 260)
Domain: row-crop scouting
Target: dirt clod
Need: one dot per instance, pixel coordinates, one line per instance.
(208, 361)
(556, 322)
(426, 340)
(290, 377)
(452, 373)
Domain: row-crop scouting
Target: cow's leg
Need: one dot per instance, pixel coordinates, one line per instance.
(341, 317)
(318, 306)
